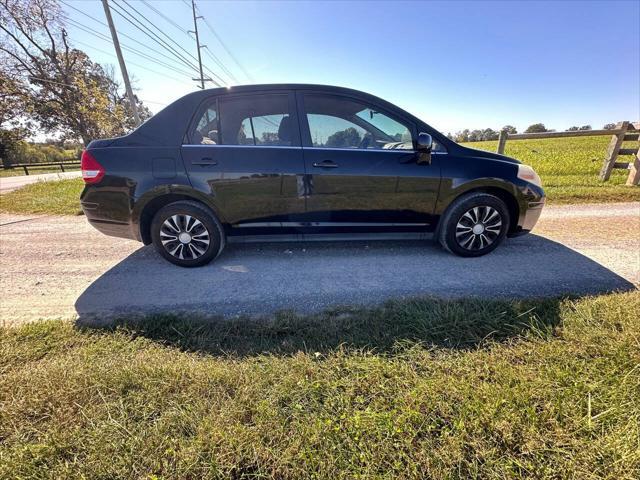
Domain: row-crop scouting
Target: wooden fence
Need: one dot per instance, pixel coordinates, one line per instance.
(27, 166)
(624, 132)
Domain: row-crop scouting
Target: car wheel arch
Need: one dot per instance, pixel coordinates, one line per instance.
(146, 208)
(502, 193)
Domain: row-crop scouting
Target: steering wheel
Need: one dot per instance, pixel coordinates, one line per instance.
(366, 141)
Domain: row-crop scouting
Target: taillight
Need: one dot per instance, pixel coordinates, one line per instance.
(92, 171)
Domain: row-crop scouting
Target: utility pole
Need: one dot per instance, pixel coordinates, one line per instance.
(123, 67)
(195, 31)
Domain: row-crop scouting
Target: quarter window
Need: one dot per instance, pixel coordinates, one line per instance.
(343, 123)
(206, 132)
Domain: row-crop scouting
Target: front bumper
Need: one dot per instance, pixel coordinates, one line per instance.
(529, 218)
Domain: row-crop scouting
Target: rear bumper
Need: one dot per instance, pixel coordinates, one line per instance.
(108, 227)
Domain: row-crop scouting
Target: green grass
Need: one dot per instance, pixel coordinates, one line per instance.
(569, 168)
(16, 172)
(414, 389)
(60, 197)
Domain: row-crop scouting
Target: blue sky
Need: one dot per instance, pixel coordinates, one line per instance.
(454, 64)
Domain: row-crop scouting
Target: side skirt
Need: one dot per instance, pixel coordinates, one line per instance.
(329, 237)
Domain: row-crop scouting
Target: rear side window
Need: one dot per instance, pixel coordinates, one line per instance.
(254, 120)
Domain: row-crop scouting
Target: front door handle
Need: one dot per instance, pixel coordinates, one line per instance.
(205, 162)
(325, 164)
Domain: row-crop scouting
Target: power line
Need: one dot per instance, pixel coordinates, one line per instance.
(44, 80)
(133, 63)
(144, 55)
(226, 49)
(144, 29)
(164, 104)
(51, 81)
(211, 54)
(208, 51)
(105, 37)
(174, 58)
(165, 17)
(186, 33)
(167, 36)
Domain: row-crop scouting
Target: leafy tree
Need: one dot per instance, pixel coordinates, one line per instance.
(475, 135)
(462, 136)
(609, 126)
(13, 128)
(572, 129)
(536, 128)
(269, 138)
(344, 138)
(489, 134)
(510, 129)
(63, 90)
(586, 127)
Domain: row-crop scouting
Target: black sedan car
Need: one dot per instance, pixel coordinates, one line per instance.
(300, 162)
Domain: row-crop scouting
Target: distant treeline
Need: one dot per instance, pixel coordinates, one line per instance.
(27, 152)
(467, 135)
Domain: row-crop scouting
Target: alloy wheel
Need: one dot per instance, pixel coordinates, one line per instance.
(184, 237)
(478, 227)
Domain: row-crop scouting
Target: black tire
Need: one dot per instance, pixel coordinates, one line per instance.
(192, 224)
(466, 229)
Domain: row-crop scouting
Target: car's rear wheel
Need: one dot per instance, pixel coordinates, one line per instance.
(474, 225)
(187, 234)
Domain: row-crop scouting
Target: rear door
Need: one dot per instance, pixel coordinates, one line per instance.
(245, 152)
(361, 165)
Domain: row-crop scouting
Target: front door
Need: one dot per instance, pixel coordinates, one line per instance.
(244, 151)
(362, 167)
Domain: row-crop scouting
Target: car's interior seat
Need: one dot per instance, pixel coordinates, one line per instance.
(284, 130)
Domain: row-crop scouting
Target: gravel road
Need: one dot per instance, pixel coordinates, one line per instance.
(60, 266)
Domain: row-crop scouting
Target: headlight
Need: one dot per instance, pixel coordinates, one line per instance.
(528, 174)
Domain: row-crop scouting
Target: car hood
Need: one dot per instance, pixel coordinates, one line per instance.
(472, 152)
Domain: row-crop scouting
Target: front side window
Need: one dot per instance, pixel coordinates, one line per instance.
(256, 120)
(337, 122)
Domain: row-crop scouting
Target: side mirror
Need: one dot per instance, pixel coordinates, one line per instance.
(424, 144)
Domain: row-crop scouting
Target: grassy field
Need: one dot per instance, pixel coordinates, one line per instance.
(414, 389)
(60, 197)
(16, 172)
(569, 168)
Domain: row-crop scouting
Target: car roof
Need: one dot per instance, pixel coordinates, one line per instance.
(290, 86)
(279, 86)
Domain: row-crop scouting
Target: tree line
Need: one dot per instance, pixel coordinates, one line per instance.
(47, 86)
(478, 135)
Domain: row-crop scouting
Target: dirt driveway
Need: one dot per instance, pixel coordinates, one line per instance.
(60, 266)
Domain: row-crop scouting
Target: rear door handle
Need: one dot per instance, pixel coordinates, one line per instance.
(205, 162)
(325, 164)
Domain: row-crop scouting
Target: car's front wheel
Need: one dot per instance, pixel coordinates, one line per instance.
(474, 225)
(187, 234)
